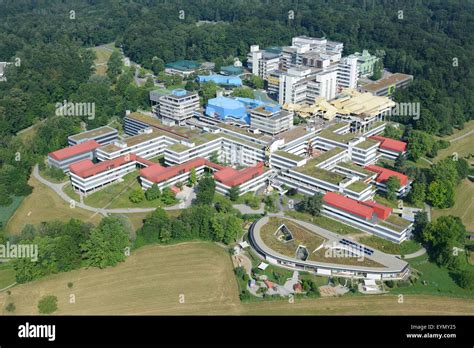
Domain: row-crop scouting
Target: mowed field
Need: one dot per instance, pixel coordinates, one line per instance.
(103, 54)
(43, 204)
(152, 279)
(462, 143)
(464, 205)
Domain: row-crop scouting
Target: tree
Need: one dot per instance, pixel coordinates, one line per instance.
(242, 92)
(157, 65)
(191, 85)
(393, 132)
(114, 65)
(153, 193)
(420, 223)
(417, 194)
(205, 191)
(466, 279)
(167, 196)
(48, 304)
(440, 194)
(192, 177)
(106, 245)
(392, 185)
(214, 157)
(10, 308)
(442, 237)
(136, 196)
(312, 204)
(234, 193)
(400, 163)
(208, 90)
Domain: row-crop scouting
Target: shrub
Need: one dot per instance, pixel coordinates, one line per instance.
(70, 285)
(10, 307)
(390, 283)
(48, 304)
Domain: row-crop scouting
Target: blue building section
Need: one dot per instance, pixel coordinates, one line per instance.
(179, 92)
(237, 109)
(221, 80)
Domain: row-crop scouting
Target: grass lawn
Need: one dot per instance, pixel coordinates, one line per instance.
(388, 247)
(45, 174)
(463, 206)
(384, 201)
(324, 222)
(43, 204)
(103, 54)
(116, 195)
(463, 147)
(7, 275)
(152, 279)
(438, 281)
(149, 282)
(7, 211)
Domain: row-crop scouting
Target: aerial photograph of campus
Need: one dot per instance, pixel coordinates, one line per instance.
(238, 157)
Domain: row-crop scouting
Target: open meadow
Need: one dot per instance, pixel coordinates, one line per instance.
(154, 279)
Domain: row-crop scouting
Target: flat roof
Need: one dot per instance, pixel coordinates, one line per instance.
(387, 81)
(366, 144)
(154, 122)
(93, 133)
(341, 138)
(310, 169)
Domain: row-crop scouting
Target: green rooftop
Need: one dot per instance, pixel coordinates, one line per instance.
(358, 186)
(317, 173)
(288, 155)
(337, 126)
(366, 144)
(355, 168)
(341, 138)
(326, 155)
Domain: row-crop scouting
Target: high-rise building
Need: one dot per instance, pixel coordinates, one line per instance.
(178, 106)
(347, 73)
(262, 62)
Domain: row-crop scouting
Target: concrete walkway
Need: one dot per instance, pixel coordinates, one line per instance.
(415, 254)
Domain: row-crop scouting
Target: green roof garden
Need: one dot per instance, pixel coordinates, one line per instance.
(355, 168)
(317, 173)
(366, 144)
(358, 186)
(326, 155)
(288, 155)
(341, 138)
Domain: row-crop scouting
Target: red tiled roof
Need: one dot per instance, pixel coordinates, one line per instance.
(382, 211)
(385, 173)
(390, 144)
(157, 173)
(86, 168)
(349, 205)
(74, 150)
(231, 177)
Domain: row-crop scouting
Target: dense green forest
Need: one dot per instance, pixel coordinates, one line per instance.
(48, 41)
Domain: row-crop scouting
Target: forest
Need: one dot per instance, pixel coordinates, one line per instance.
(47, 43)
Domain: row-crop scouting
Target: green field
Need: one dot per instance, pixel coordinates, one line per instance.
(6, 212)
(103, 54)
(43, 204)
(7, 275)
(438, 281)
(154, 278)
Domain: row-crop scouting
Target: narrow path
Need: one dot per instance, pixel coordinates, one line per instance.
(420, 252)
(461, 136)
